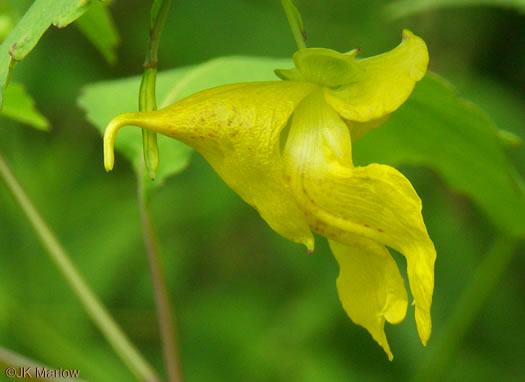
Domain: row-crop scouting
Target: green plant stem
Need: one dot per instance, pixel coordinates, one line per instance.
(164, 309)
(147, 102)
(96, 311)
(149, 138)
(468, 306)
(147, 96)
(296, 23)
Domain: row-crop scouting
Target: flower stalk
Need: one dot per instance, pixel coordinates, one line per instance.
(148, 103)
(162, 301)
(296, 23)
(147, 98)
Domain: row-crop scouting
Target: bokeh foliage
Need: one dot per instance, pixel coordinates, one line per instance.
(250, 305)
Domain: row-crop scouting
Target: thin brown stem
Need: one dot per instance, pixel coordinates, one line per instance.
(162, 301)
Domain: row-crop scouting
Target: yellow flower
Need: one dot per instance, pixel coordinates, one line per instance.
(285, 148)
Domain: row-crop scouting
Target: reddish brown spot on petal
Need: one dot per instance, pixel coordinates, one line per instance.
(380, 230)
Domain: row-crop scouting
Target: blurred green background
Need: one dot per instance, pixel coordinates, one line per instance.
(250, 305)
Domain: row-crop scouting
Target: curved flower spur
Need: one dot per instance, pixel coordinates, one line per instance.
(286, 148)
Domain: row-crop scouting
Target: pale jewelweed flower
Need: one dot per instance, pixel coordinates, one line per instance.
(286, 148)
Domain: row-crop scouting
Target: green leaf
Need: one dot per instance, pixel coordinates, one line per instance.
(103, 101)
(31, 27)
(436, 129)
(20, 107)
(504, 106)
(509, 139)
(98, 27)
(401, 8)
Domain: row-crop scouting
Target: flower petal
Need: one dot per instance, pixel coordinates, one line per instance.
(237, 129)
(328, 67)
(390, 78)
(370, 286)
(379, 203)
(376, 202)
(317, 135)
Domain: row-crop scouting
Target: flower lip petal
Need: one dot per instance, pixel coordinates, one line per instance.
(370, 286)
(340, 201)
(376, 202)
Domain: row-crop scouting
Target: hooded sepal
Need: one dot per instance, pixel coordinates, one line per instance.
(237, 129)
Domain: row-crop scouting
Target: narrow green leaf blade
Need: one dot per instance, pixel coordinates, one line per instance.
(98, 27)
(31, 27)
(436, 129)
(20, 107)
